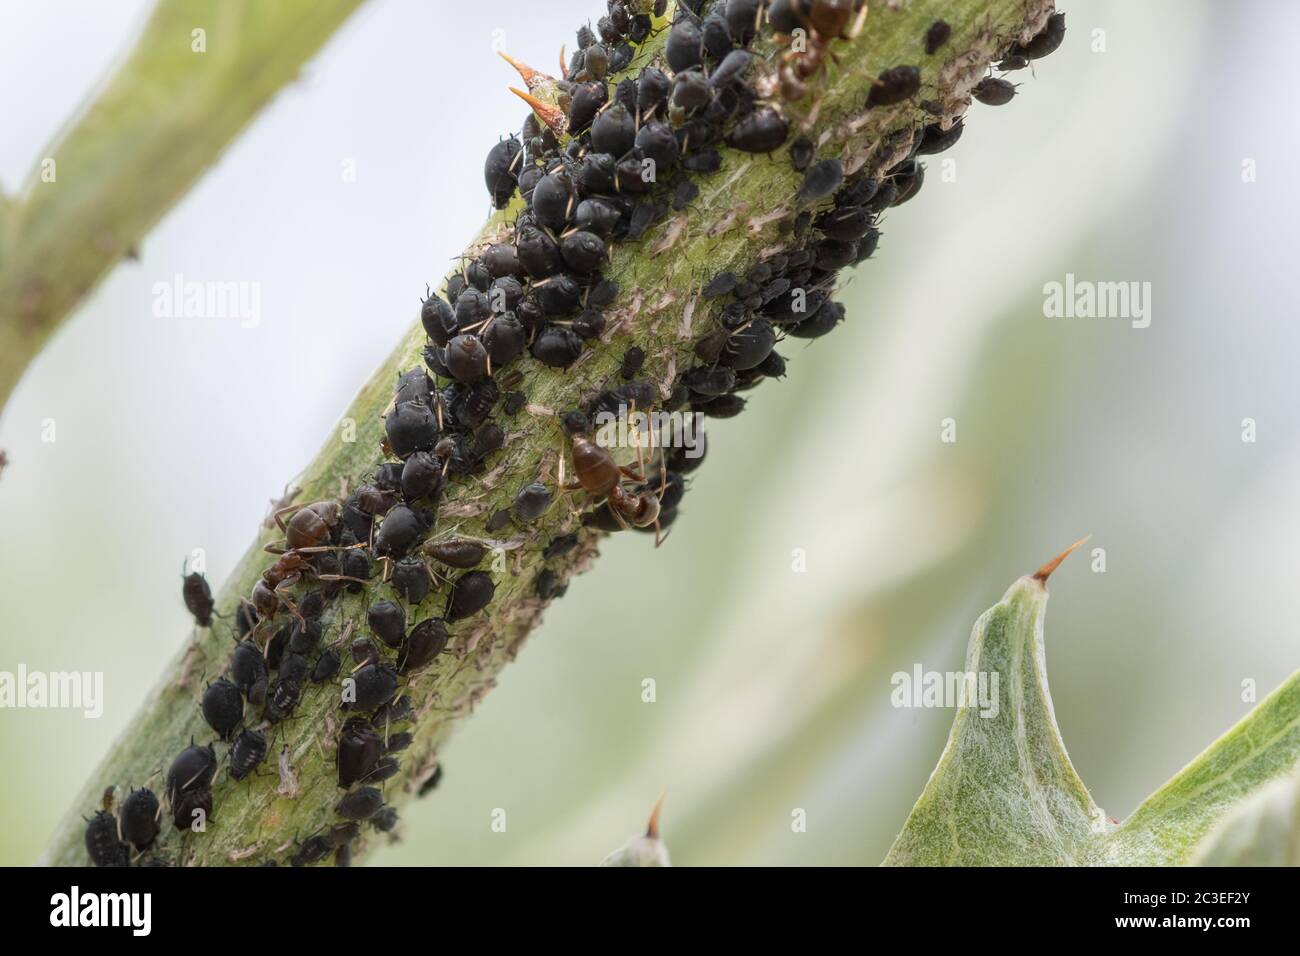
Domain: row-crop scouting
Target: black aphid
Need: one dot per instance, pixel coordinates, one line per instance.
(724, 406)
(394, 712)
(652, 90)
(548, 585)
(411, 580)
(532, 501)
(501, 169)
(281, 699)
(553, 197)
(191, 808)
(936, 36)
(538, 252)
(223, 707)
(312, 851)
(198, 598)
(894, 85)
(1045, 42)
(691, 91)
(363, 651)
(466, 358)
(388, 622)
(384, 820)
(935, 139)
(585, 100)
(994, 91)
(557, 347)
(749, 345)
(458, 553)
(613, 132)
(193, 769)
(247, 752)
(470, 594)
(761, 131)
(801, 153)
(361, 804)
(374, 685)
(248, 672)
(505, 338)
(432, 782)
(561, 545)
(704, 161)
(633, 359)
(326, 666)
(306, 635)
(294, 668)
(558, 295)
(710, 380)
(821, 180)
(422, 477)
(583, 252)
(360, 748)
(138, 818)
(398, 742)
(685, 46)
(721, 284)
(399, 532)
(589, 324)
(683, 194)
(102, 843)
(733, 68)
(411, 427)
(426, 641)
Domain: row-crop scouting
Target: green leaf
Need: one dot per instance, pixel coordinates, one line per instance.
(1263, 831)
(644, 849)
(137, 147)
(1005, 793)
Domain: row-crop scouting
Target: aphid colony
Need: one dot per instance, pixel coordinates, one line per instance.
(541, 297)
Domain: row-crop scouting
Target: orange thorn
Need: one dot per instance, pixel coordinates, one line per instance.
(552, 116)
(563, 69)
(532, 78)
(652, 828)
(1043, 573)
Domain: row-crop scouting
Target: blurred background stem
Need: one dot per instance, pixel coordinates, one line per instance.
(201, 70)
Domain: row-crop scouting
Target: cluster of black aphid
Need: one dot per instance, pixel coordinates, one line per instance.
(580, 167)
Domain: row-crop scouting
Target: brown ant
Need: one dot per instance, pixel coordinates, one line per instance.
(310, 526)
(826, 20)
(597, 473)
(307, 532)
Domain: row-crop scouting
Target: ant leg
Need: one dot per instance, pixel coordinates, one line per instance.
(340, 577)
(856, 30)
(278, 515)
(282, 593)
(618, 516)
